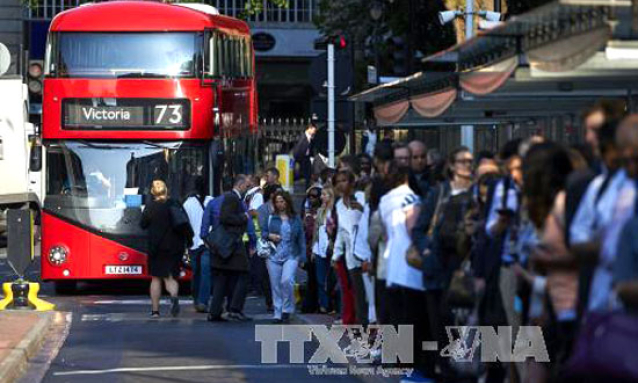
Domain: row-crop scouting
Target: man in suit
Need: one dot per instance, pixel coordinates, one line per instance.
(304, 150)
(226, 272)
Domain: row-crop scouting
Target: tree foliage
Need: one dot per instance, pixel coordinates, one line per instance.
(251, 7)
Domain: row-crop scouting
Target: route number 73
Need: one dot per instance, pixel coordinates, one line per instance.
(168, 114)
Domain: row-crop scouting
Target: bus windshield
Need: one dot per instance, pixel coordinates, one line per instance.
(104, 186)
(126, 55)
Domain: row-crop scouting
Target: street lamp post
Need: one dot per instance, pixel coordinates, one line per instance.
(376, 12)
(467, 131)
(331, 105)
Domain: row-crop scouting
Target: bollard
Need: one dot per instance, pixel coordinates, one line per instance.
(20, 290)
(21, 294)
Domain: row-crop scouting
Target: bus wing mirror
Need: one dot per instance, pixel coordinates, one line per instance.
(211, 66)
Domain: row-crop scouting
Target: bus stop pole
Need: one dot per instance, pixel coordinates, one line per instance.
(331, 105)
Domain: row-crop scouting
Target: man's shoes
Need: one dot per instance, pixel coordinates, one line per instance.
(285, 318)
(270, 308)
(155, 314)
(277, 321)
(201, 308)
(174, 306)
(240, 317)
(212, 318)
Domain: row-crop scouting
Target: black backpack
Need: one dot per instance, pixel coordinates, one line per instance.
(450, 224)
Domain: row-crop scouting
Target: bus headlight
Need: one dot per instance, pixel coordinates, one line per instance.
(58, 255)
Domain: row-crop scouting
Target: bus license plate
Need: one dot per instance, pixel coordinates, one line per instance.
(123, 270)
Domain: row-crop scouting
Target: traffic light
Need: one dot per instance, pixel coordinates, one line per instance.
(339, 42)
(34, 79)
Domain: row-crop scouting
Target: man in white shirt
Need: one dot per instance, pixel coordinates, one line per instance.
(596, 207)
(200, 283)
(600, 293)
(254, 196)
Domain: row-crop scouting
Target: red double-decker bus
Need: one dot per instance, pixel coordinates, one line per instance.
(136, 91)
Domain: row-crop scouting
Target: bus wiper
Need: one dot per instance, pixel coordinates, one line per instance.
(95, 146)
(156, 145)
(142, 75)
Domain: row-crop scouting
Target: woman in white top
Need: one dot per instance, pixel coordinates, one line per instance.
(322, 243)
(399, 210)
(349, 211)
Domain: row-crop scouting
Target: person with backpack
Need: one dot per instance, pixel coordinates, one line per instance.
(169, 234)
(195, 206)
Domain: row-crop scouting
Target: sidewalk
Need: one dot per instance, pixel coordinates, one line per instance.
(21, 335)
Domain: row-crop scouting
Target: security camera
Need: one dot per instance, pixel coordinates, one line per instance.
(447, 16)
(491, 16)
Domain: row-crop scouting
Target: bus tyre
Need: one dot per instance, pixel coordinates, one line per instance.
(65, 287)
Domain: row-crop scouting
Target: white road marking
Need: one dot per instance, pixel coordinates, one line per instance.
(182, 368)
(140, 316)
(145, 301)
(139, 302)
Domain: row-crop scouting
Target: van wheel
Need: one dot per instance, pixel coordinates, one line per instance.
(65, 287)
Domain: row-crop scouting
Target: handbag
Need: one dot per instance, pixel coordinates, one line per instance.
(461, 292)
(179, 217)
(265, 247)
(222, 243)
(605, 348)
(412, 255)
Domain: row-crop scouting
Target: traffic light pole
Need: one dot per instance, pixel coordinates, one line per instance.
(331, 105)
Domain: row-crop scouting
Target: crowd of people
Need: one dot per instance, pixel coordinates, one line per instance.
(539, 234)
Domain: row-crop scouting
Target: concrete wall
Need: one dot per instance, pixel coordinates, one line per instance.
(11, 29)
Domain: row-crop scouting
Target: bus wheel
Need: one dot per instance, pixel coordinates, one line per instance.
(65, 287)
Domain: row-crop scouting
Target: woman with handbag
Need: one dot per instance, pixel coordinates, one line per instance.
(285, 230)
(169, 235)
(322, 243)
(399, 210)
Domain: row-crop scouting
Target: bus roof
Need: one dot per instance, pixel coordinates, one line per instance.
(141, 16)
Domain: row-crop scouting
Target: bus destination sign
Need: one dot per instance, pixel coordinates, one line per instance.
(126, 114)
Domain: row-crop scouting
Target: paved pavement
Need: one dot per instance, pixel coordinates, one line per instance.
(106, 335)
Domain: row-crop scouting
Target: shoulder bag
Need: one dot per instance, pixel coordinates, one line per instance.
(221, 243)
(412, 256)
(265, 247)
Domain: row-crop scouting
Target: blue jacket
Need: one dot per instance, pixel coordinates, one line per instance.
(262, 218)
(298, 235)
(211, 215)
